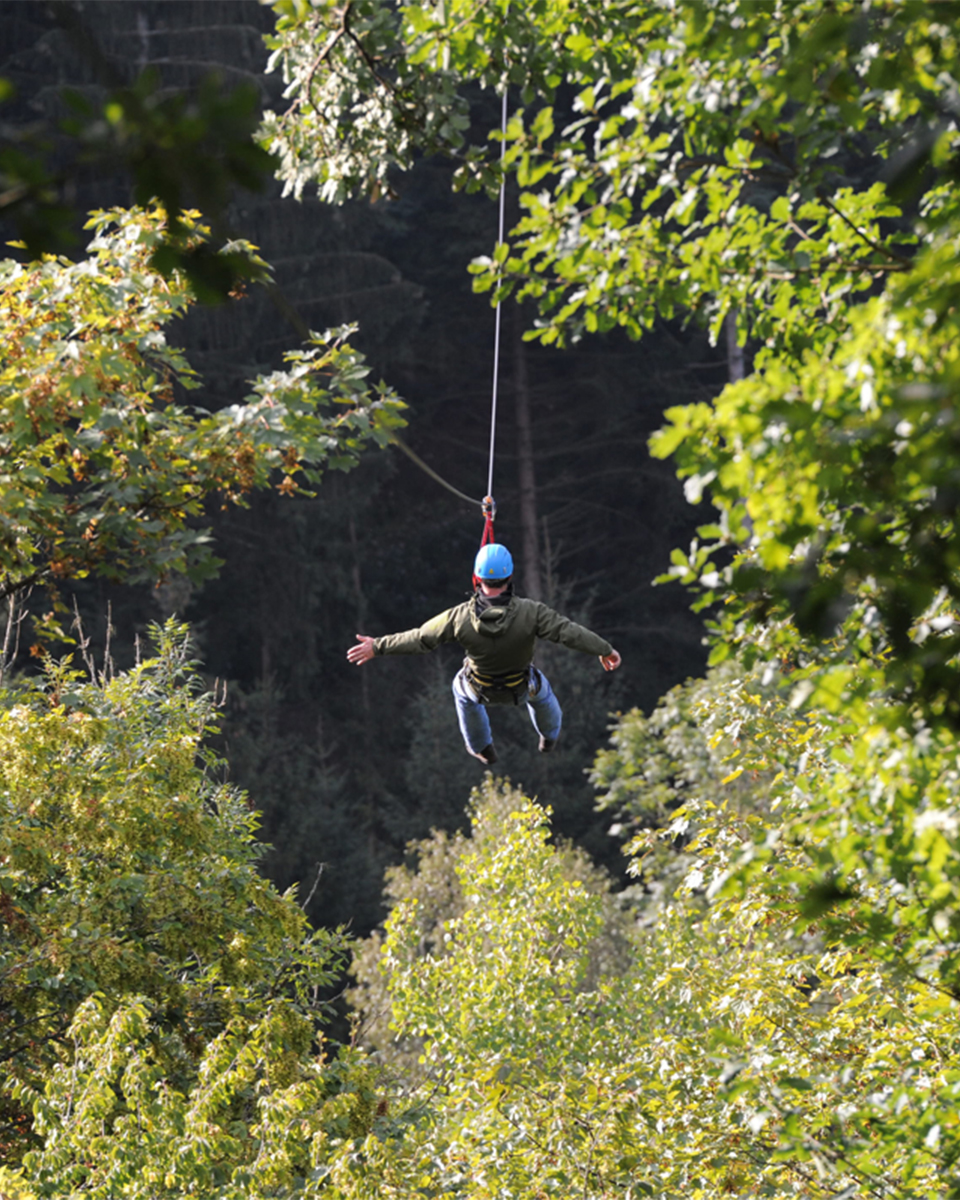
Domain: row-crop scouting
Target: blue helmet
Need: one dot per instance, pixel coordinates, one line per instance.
(493, 564)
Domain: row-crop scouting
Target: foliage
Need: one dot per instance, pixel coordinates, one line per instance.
(258, 1120)
(835, 473)
(841, 883)
(13, 1186)
(837, 875)
(688, 122)
(434, 893)
(507, 1001)
(741, 1053)
(790, 168)
(104, 471)
(656, 765)
(127, 868)
(737, 1054)
(361, 101)
(180, 148)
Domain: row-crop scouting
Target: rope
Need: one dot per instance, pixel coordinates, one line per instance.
(487, 504)
(414, 457)
(496, 333)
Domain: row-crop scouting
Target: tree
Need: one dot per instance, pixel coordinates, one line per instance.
(105, 472)
(750, 1046)
(732, 1052)
(128, 869)
(822, 907)
(738, 1053)
(656, 766)
(434, 890)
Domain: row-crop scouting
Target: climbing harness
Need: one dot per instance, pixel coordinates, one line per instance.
(511, 688)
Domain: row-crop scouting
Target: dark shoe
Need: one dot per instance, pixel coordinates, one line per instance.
(487, 755)
(546, 744)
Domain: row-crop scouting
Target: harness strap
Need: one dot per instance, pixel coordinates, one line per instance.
(489, 506)
(509, 688)
(500, 681)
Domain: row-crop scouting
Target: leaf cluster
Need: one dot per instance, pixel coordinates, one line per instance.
(105, 470)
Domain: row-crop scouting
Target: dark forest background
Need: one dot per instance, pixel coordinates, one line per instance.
(347, 765)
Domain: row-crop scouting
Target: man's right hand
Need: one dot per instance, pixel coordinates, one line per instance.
(362, 652)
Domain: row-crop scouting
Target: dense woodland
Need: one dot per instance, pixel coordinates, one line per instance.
(711, 945)
(339, 764)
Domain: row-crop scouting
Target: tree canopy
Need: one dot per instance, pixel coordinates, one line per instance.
(772, 1009)
(107, 470)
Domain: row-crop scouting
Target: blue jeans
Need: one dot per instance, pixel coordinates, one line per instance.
(542, 705)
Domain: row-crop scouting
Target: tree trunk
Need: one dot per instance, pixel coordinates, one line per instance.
(531, 574)
(735, 365)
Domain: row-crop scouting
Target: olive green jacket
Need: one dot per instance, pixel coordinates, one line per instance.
(498, 641)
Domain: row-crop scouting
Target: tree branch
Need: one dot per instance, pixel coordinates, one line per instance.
(11, 588)
(878, 246)
(324, 55)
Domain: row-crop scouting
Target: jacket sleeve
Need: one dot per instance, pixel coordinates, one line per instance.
(419, 641)
(554, 627)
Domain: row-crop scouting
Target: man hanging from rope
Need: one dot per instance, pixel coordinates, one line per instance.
(498, 631)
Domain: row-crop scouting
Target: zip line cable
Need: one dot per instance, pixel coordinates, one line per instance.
(489, 505)
(496, 331)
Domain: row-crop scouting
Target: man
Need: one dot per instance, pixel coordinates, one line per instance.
(498, 631)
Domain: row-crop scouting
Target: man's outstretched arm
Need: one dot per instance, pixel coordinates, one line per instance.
(429, 636)
(555, 627)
